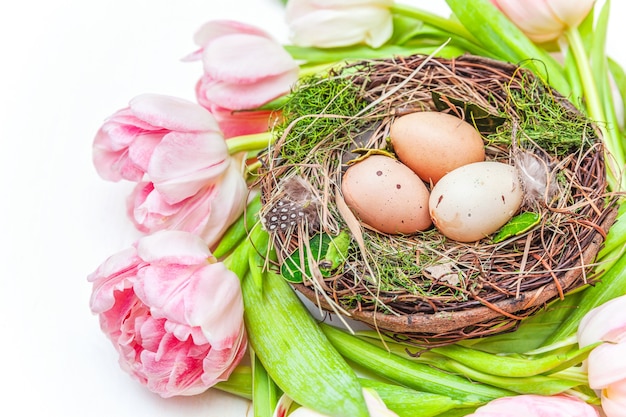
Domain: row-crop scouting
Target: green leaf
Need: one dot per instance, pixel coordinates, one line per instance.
(619, 77)
(404, 28)
(407, 402)
(329, 254)
(499, 35)
(407, 372)
(294, 351)
(517, 225)
(265, 393)
(532, 331)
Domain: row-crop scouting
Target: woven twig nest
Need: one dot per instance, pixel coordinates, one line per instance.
(394, 283)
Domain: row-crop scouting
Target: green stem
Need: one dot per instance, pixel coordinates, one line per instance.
(508, 366)
(238, 231)
(595, 108)
(538, 384)
(419, 376)
(434, 20)
(253, 142)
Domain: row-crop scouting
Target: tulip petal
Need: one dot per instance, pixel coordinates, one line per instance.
(183, 163)
(614, 399)
(606, 364)
(533, 17)
(117, 273)
(329, 28)
(606, 322)
(172, 113)
(570, 13)
(243, 96)
(244, 58)
(173, 246)
(214, 29)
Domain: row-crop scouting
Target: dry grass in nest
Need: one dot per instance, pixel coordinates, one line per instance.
(425, 287)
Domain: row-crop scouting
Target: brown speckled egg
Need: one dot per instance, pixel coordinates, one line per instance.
(433, 143)
(386, 195)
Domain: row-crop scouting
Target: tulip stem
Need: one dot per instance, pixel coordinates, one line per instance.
(434, 20)
(595, 108)
(253, 142)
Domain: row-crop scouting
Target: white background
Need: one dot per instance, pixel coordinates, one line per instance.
(66, 65)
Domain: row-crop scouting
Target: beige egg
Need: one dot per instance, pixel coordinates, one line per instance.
(433, 143)
(386, 195)
(475, 200)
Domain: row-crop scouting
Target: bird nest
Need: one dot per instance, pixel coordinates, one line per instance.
(423, 286)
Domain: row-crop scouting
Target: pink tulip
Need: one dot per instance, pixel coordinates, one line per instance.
(175, 317)
(335, 23)
(536, 406)
(545, 20)
(606, 364)
(207, 214)
(244, 68)
(177, 144)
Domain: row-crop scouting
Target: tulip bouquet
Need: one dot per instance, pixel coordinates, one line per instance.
(197, 302)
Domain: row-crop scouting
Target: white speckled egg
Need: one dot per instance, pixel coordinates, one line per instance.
(475, 200)
(386, 195)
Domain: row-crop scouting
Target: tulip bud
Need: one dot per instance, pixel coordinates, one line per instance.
(545, 20)
(334, 23)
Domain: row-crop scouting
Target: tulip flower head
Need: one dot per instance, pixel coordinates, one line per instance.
(545, 20)
(244, 68)
(335, 23)
(536, 406)
(176, 152)
(177, 144)
(175, 317)
(606, 364)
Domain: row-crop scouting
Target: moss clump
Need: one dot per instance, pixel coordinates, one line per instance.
(321, 109)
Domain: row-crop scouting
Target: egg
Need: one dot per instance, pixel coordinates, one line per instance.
(433, 143)
(386, 195)
(475, 200)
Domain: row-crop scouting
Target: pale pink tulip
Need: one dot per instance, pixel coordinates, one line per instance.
(606, 364)
(335, 23)
(174, 316)
(545, 20)
(207, 214)
(244, 68)
(536, 406)
(614, 399)
(606, 322)
(173, 142)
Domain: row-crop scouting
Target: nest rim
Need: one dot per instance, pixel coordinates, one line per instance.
(485, 317)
